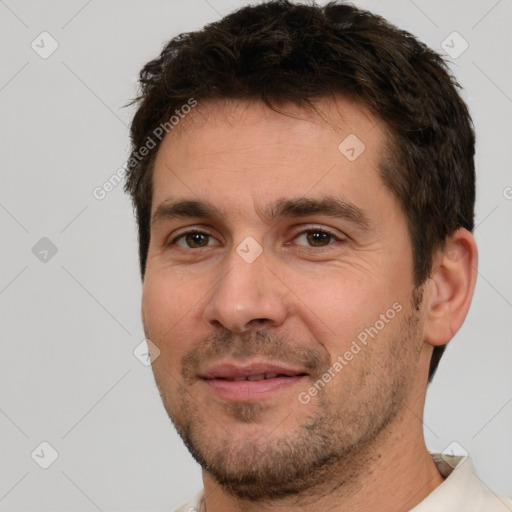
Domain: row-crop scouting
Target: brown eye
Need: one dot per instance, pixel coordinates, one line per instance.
(197, 240)
(318, 238)
(194, 240)
(315, 238)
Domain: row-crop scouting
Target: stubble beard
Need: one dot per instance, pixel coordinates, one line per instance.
(326, 449)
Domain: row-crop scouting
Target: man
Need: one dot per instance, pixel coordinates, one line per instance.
(303, 180)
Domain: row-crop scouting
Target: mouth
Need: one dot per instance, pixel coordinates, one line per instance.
(252, 381)
(252, 378)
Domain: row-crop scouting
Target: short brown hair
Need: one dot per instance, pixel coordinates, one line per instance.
(280, 52)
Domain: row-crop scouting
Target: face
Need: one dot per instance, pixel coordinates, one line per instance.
(278, 290)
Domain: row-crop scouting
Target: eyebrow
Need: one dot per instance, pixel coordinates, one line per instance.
(169, 210)
(282, 208)
(328, 205)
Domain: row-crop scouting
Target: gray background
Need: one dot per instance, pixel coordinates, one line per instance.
(70, 322)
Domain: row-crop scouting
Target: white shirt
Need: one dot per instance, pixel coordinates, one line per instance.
(462, 491)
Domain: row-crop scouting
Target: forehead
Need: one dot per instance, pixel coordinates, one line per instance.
(236, 152)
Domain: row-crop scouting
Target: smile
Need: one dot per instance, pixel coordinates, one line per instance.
(250, 382)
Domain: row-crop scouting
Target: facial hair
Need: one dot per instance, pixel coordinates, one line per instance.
(328, 446)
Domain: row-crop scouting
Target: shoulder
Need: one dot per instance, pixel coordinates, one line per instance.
(192, 505)
(462, 490)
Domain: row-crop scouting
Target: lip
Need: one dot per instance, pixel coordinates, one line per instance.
(216, 378)
(231, 370)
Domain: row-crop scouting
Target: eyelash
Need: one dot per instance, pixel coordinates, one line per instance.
(333, 237)
(304, 231)
(189, 232)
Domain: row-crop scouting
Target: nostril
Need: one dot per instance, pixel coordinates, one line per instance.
(258, 321)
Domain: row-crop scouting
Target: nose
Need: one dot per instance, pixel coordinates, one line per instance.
(247, 295)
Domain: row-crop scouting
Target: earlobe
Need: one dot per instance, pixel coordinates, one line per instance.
(450, 288)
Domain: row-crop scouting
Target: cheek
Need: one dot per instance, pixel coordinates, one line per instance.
(166, 311)
(338, 297)
(339, 308)
(166, 306)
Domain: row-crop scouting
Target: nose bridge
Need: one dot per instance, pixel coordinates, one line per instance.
(247, 290)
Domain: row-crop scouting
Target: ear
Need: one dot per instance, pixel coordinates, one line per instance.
(450, 288)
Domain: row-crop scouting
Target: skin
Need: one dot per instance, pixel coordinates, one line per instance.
(302, 301)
